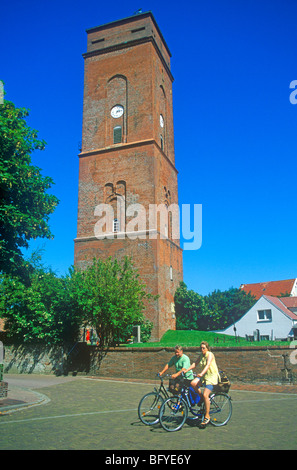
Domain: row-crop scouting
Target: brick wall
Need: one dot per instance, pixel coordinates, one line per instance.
(32, 359)
(253, 364)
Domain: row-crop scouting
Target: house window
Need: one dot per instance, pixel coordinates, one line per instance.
(117, 134)
(264, 315)
(116, 225)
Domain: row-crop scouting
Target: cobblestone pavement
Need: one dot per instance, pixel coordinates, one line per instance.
(85, 413)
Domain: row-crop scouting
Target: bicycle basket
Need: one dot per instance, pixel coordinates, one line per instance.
(175, 385)
(224, 383)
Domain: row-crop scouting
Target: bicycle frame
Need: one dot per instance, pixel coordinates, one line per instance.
(185, 395)
(199, 413)
(150, 403)
(162, 390)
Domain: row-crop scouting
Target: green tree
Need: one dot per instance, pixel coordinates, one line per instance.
(215, 311)
(110, 298)
(107, 296)
(41, 310)
(228, 306)
(191, 310)
(25, 206)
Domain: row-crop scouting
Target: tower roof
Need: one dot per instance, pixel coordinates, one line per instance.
(130, 19)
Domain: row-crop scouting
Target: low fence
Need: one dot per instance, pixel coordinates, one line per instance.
(247, 364)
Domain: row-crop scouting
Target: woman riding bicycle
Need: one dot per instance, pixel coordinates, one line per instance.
(210, 375)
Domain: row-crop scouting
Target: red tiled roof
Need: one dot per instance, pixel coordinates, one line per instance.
(278, 303)
(273, 288)
(290, 302)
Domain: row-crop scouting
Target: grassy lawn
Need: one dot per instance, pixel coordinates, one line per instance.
(193, 339)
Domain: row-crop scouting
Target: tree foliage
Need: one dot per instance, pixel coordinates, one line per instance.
(190, 309)
(111, 298)
(25, 206)
(107, 296)
(228, 306)
(41, 310)
(215, 311)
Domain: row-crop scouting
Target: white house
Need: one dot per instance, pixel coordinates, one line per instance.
(269, 318)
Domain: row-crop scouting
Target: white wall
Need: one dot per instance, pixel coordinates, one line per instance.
(279, 326)
(294, 290)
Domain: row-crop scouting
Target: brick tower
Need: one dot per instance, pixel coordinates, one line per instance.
(127, 158)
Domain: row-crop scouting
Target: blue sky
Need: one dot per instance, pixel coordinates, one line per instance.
(233, 63)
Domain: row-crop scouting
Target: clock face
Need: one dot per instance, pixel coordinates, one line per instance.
(117, 111)
(161, 121)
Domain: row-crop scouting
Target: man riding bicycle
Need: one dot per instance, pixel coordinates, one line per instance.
(181, 363)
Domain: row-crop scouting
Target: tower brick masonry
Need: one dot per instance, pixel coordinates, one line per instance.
(128, 157)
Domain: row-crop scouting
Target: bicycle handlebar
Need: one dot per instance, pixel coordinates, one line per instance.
(161, 377)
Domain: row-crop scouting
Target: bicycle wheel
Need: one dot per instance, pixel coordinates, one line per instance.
(220, 409)
(149, 407)
(173, 413)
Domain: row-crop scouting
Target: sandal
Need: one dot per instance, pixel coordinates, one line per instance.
(204, 423)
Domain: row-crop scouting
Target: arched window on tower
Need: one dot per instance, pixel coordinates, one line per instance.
(117, 135)
(116, 107)
(162, 117)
